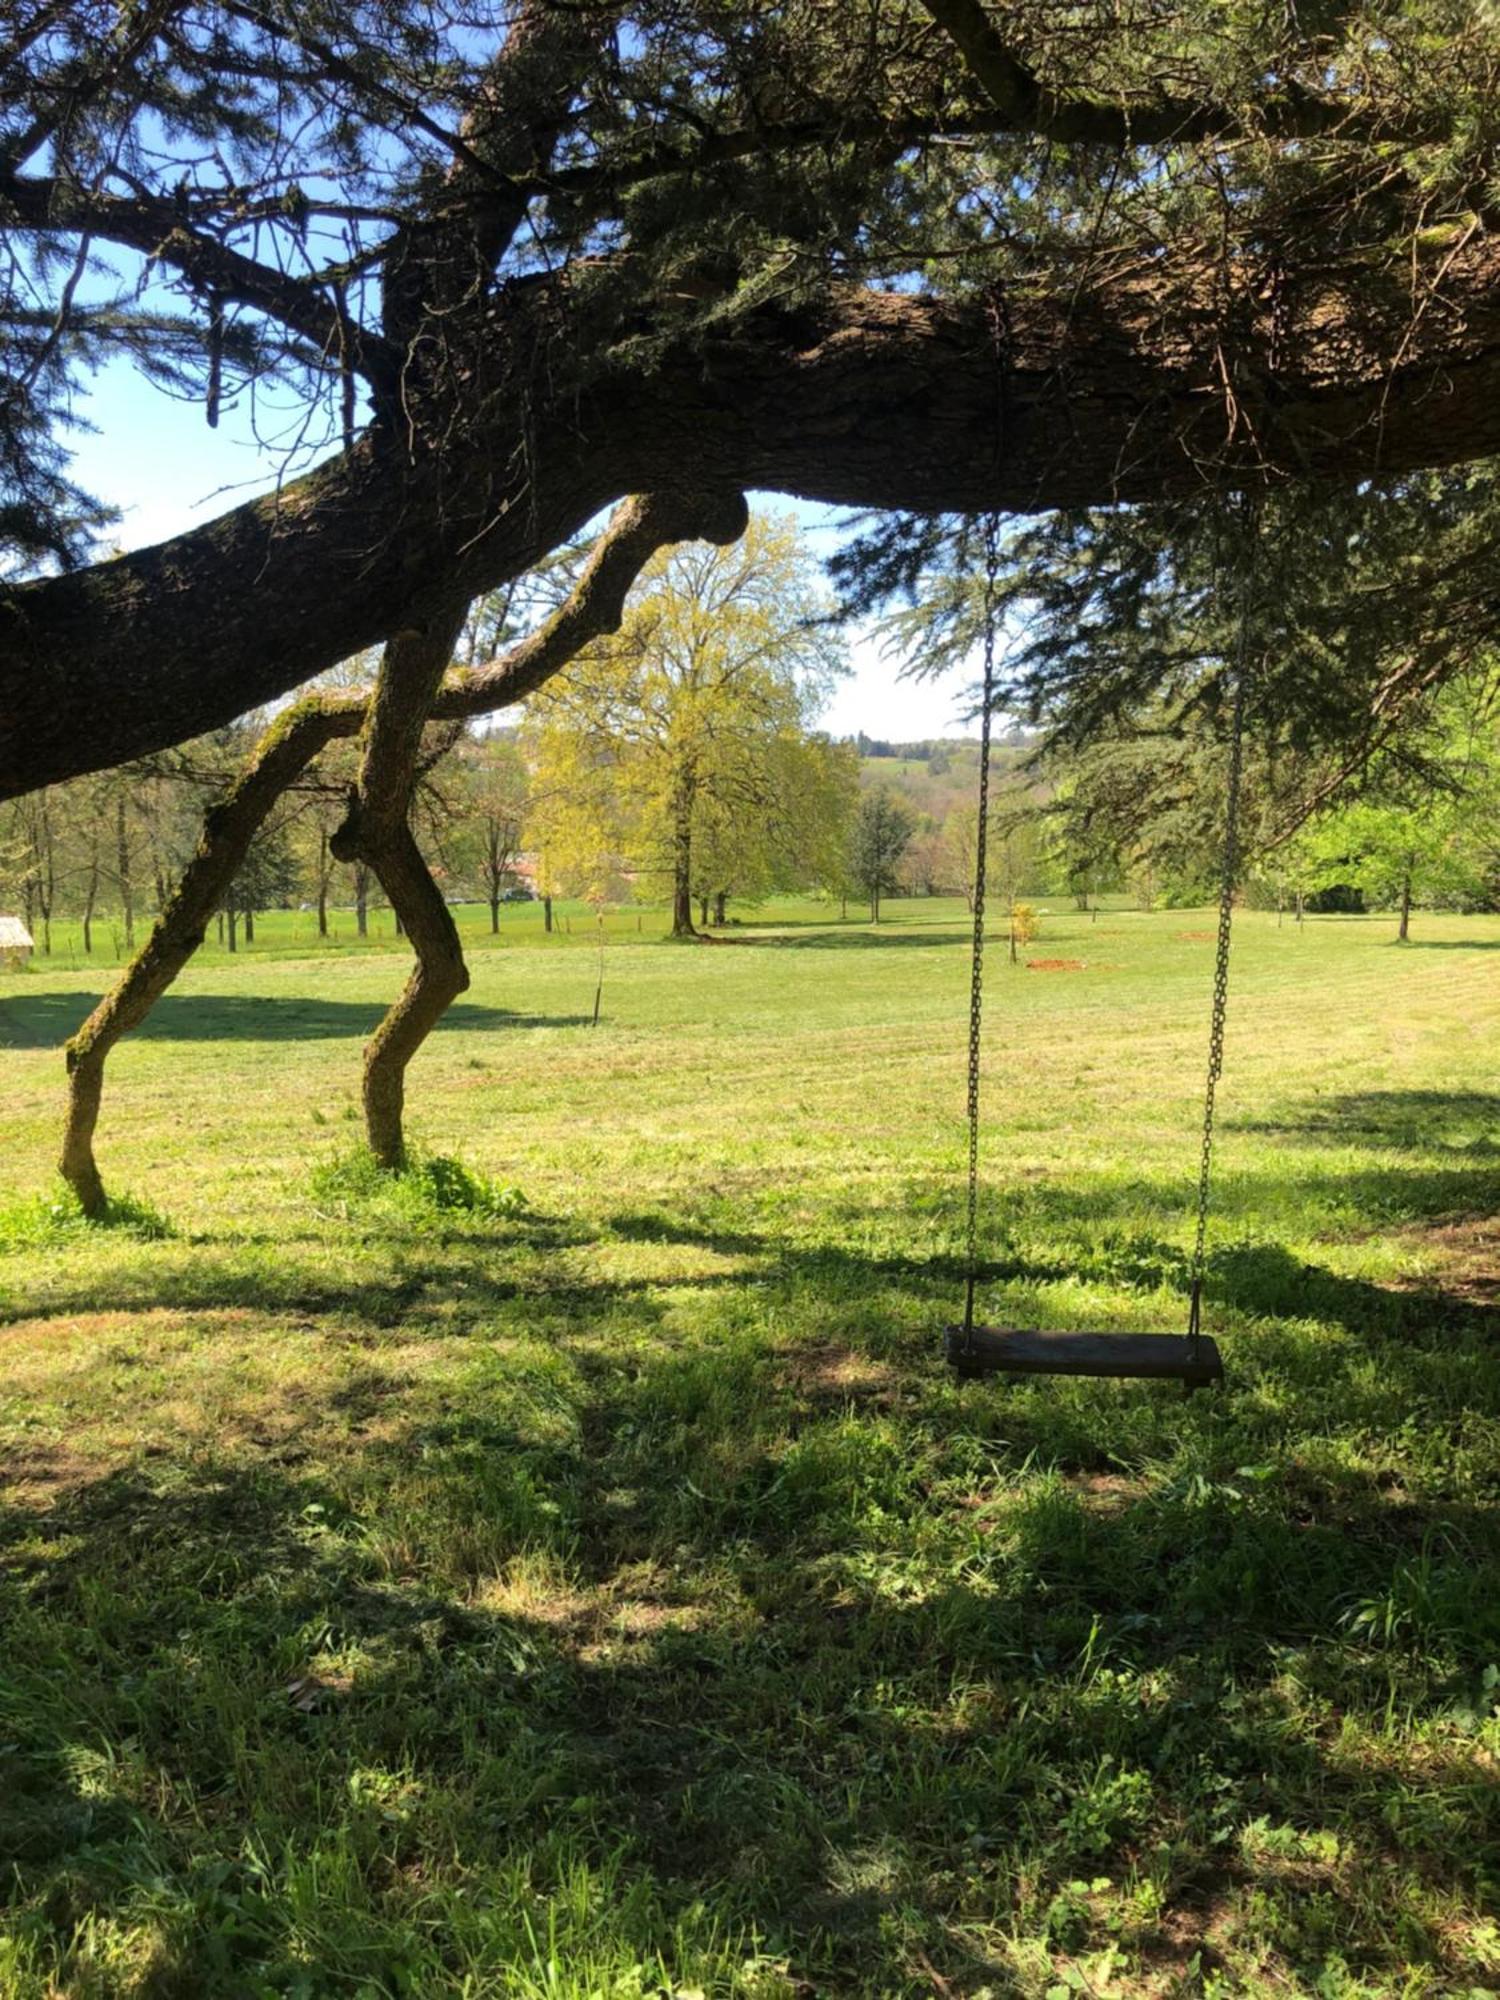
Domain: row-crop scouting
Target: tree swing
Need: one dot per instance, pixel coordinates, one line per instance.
(1191, 1358)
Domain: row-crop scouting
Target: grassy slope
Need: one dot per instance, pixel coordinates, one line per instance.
(658, 1615)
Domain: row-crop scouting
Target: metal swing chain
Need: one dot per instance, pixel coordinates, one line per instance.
(976, 964)
(1229, 871)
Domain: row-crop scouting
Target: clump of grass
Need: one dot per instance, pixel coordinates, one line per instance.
(34, 1222)
(427, 1185)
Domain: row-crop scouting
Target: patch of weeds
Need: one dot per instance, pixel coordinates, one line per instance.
(428, 1184)
(1107, 1808)
(35, 1222)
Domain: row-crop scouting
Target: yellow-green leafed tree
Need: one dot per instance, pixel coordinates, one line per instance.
(793, 835)
(579, 817)
(689, 726)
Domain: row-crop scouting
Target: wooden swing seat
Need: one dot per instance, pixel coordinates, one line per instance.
(1164, 1357)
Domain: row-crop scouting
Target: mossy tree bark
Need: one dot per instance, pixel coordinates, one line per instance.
(376, 831)
(229, 826)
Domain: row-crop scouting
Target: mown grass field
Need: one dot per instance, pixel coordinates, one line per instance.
(616, 1596)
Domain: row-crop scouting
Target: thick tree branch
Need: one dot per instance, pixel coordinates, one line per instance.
(596, 603)
(517, 115)
(229, 826)
(594, 607)
(868, 399)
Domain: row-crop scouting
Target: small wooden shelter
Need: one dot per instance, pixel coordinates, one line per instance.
(16, 944)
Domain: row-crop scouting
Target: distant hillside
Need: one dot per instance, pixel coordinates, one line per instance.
(935, 749)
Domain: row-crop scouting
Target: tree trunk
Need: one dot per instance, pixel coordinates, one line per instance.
(1404, 930)
(122, 864)
(438, 978)
(229, 826)
(249, 925)
(719, 901)
(231, 919)
(547, 913)
(703, 912)
(875, 906)
(376, 832)
(323, 873)
(684, 791)
(494, 914)
(361, 899)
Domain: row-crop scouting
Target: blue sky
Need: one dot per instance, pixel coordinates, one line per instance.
(157, 461)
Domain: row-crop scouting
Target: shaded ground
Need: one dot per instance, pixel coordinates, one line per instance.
(45, 1020)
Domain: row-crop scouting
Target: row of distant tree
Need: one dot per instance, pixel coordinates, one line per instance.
(1074, 826)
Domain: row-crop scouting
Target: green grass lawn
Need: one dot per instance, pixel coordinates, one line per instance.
(617, 1596)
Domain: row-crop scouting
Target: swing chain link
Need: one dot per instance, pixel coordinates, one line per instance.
(1228, 877)
(976, 969)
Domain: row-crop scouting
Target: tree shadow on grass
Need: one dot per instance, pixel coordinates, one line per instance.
(784, 1670)
(693, 1639)
(1261, 1283)
(46, 1020)
(1436, 1121)
(528, 1280)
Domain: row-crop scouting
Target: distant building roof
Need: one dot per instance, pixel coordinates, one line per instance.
(14, 935)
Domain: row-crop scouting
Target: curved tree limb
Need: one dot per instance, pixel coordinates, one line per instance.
(158, 229)
(376, 831)
(594, 607)
(229, 826)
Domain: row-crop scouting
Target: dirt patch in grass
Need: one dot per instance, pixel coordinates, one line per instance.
(1055, 965)
(1107, 1492)
(36, 1475)
(1196, 937)
(1469, 1256)
(639, 1618)
(836, 1374)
